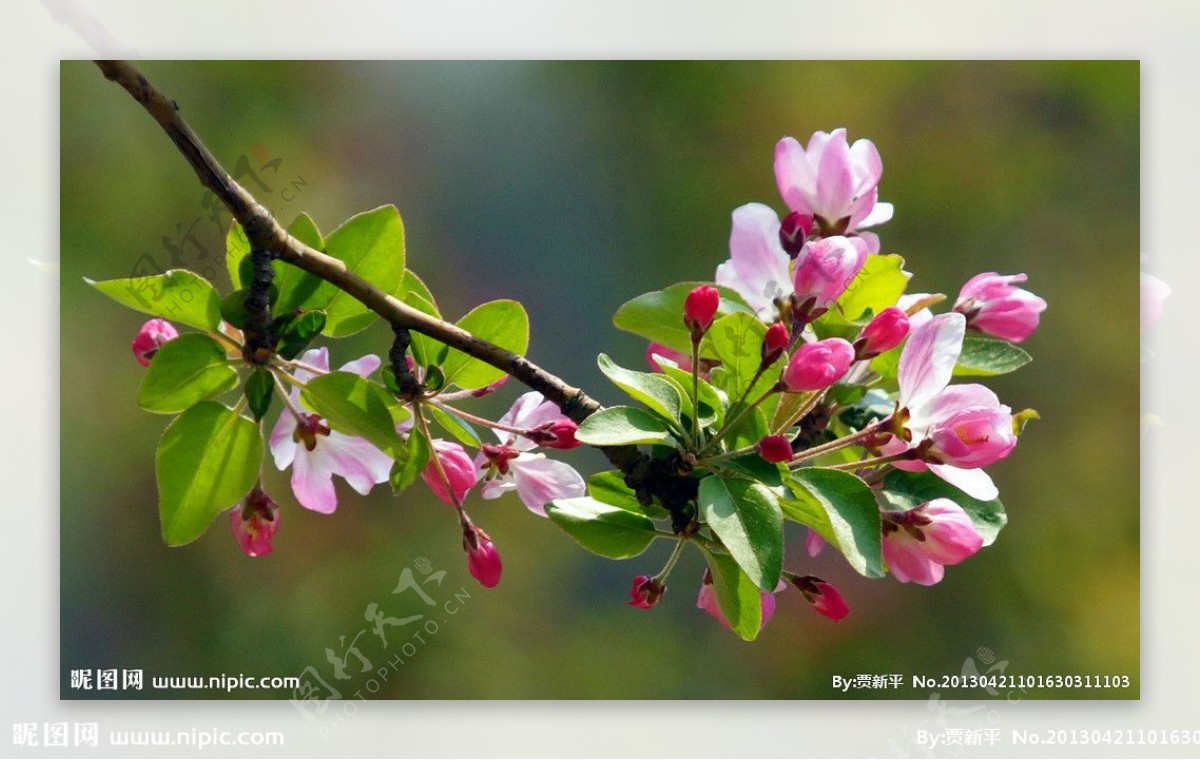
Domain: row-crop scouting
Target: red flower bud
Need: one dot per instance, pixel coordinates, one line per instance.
(150, 338)
(794, 230)
(822, 595)
(775, 448)
(483, 561)
(700, 309)
(816, 366)
(774, 343)
(885, 332)
(646, 592)
(555, 434)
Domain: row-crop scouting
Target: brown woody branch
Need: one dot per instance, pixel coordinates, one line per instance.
(264, 233)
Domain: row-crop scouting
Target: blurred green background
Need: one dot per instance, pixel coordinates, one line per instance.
(574, 187)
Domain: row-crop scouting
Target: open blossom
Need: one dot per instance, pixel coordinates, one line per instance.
(458, 469)
(254, 521)
(824, 270)
(758, 267)
(316, 453)
(917, 544)
(833, 180)
(150, 338)
(513, 465)
(816, 366)
(993, 305)
(968, 425)
(707, 601)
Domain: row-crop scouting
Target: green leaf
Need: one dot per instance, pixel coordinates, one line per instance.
(905, 490)
(602, 528)
(207, 460)
(260, 388)
(176, 295)
(713, 402)
(736, 340)
(746, 517)
(411, 462)
(355, 406)
(295, 333)
(295, 287)
(371, 245)
(737, 596)
(503, 323)
(842, 508)
(658, 316)
(458, 428)
(609, 487)
(237, 256)
(622, 425)
(878, 285)
(655, 391)
(753, 467)
(887, 364)
(185, 371)
(984, 357)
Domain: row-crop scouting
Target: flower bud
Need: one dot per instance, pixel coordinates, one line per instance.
(816, 366)
(774, 343)
(255, 521)
(484, 391)
(153, 335)
(700, 309)
(459, 469)
(973, 437)
(555, 434)
(794, 232)
(707, 600)
(775, 448)
(994, 306)
(646, 592)
(824, 270)
(483, 561)
(883, 333)
(918, 543)
(823, 596)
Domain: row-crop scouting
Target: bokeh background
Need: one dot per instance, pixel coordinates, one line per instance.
(573, 187)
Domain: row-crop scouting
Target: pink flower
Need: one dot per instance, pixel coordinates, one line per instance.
(656, 351)
(483, 561)
(775, 448)
(317, 453)
(254, 522)
(994, 306)
(513, 465)
(1154, 292)
(816, 366)
(700, 308)
(971, 413)
(150, 338)
(832, 181)
(774, 343)
(823, 596)
(824, 270)
(883, 333)
(917, 544)
(459, 470)
(758, 267)
(814, 542)
(646, 592)
(707, 601)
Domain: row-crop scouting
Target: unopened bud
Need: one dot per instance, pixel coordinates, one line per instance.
(775, 448)
(700, 309)
(794, 230)
(774, 343)
(555, 434)
(646, 592)
(483, 561)
(883, 333)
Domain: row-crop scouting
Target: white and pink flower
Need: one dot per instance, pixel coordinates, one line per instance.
(993, 305)
(919, 543)
(316, 453)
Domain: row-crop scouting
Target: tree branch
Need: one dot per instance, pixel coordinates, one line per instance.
(264, 233)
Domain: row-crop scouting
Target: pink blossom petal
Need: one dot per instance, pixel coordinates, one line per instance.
(283, 445)
(529, 411)
(880, 213)
(312, 482)
(314, 357)
(363, 366)
(758, 266)
(814, 542)
(835, 178)
(928, 359)
(794, 175)
(951, 537)
(974, 483)
(355, 459)
(908, 562)
(957, 397)
(540, 480)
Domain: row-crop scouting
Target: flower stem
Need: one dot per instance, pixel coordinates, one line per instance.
(283, 394)
(752, 448)
(477, 419)
(674, 558)
(437, 465)
(730, 424)
(840, 443)
(802, 412)
(876, 462)
(696, 389)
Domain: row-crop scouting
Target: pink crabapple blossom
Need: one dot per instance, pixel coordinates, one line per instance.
(707, 600)
(993, 305)
(316, 453)
(513, 465)
(458, 468)
(917, 544)
(816, 366)
(833, 181)
(254, 521)
(151, 337)
(646, 592)
(824, 270)
(970, 413)
(758, 268)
